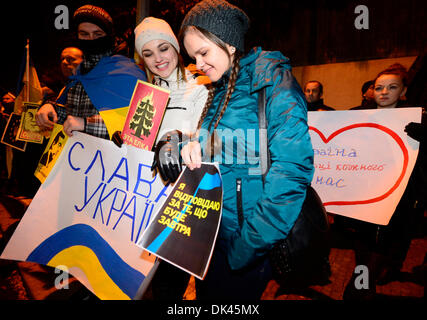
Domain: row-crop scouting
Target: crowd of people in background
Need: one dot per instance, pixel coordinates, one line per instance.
(209, 95)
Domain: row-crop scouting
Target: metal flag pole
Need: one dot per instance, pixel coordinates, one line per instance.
(27, 72)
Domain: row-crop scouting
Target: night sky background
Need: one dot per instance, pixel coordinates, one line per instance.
(308, 32)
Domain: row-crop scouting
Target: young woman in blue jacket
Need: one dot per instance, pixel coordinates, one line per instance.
(213, 35)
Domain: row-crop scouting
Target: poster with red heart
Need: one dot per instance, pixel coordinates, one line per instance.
(363, 160)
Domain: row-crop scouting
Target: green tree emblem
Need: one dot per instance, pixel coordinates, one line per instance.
(142, 120)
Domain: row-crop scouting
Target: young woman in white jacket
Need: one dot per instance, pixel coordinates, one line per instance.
(158, 47)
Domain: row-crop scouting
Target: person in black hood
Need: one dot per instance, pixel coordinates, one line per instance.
(95, 33)
(95, 30)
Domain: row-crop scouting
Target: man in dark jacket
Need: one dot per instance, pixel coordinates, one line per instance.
(313, 91)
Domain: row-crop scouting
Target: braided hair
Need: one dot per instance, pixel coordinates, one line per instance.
(235, 68)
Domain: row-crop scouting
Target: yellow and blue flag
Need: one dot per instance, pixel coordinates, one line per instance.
(110, 85)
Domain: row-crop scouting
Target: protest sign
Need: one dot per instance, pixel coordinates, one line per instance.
(145, 115)
(184, 230)
(53, 149)
(363, 160)
(28, 129)
(11, 131)
(88, 215)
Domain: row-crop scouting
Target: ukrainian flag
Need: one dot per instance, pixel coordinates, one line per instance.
(110, 85)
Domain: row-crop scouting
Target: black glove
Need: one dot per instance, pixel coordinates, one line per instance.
(417, 131)
(166, 156)
(117, 138)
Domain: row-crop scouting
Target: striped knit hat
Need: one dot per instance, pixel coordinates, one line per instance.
(95, 15)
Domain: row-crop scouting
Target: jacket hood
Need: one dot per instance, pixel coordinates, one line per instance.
(266, 61)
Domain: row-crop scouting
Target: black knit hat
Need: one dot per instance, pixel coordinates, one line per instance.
(366, 85)
(226, 21)
(95, 15)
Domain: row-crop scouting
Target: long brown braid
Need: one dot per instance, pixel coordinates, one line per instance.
(230, 89)
(208, 103)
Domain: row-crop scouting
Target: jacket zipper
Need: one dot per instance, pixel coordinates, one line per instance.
(239, 201)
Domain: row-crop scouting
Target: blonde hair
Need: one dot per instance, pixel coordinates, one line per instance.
(180, 72)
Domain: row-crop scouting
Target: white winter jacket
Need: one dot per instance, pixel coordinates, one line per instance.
(186, 102)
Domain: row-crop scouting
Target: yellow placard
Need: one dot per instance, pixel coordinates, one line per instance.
(56, 143)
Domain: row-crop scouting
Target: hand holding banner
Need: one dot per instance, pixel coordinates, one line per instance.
(184, 230)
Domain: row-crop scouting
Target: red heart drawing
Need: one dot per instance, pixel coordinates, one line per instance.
(379, 127)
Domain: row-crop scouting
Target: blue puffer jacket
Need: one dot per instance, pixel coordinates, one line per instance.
(270, 210)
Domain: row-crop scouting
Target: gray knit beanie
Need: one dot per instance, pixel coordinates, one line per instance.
(226, 21)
